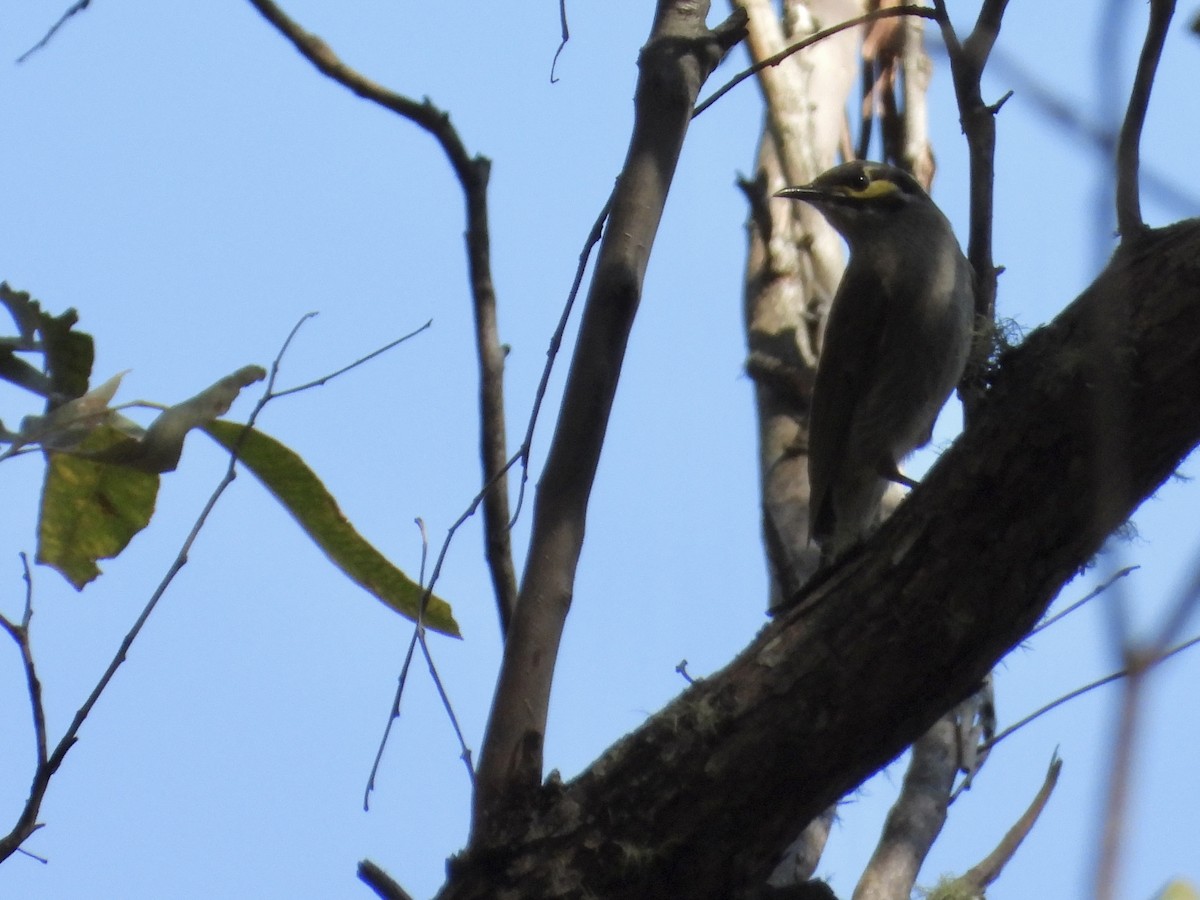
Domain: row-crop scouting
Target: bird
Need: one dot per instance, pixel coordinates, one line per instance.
(895, 344)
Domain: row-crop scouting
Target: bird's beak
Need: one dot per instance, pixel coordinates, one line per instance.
(804, 192)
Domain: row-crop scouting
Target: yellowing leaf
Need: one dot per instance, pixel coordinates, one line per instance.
(303, 495)
(91, 510)
(1179, 890)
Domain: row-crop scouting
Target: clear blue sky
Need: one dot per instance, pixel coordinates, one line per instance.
(181, 177)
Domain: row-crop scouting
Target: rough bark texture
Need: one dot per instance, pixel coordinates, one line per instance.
(1082, 422)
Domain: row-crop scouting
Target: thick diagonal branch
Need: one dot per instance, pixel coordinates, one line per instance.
(698, 801)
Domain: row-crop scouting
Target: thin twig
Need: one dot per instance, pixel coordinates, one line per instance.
(393, 715)
(418, 636)
(402, 680)
(1129, 204)
(320, 382)
(77, 7)
(1091, 595)
(539, 395)
(1066, 114)
(464, 750)
(1176, 620)
(27, 821)
(779, 57)
(1099, 682)
(566, 36)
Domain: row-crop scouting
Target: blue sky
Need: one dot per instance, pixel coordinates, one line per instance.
(181, 177)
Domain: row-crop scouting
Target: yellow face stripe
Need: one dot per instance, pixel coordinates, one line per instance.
(878, 188)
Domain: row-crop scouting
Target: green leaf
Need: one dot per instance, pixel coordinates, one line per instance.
(91, 510)
(304, 496)
(68, 354)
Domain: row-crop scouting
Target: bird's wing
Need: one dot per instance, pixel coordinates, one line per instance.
(845, 372)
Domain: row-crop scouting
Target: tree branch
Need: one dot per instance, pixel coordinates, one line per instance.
(780, 55)
(381, 882)
(472, 173)
(984, 873)
(900, 631)
(967, 60)
(916, 819)
(1129, 204)
(675, 61)
(75, 8)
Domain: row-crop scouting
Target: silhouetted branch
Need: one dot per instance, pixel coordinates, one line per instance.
(74, 8)
(1129, 204)
(967, 61)
(381, 882)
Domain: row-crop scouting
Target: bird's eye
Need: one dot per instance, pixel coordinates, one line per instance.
(859, 182)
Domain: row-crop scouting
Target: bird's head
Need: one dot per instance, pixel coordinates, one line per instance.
(859, 198)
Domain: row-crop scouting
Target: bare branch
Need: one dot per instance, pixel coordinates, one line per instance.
(803, 855)
(393, 716)
(1066, 115)
(472, 173)
(916, 819)
(320, 382)
(1124, 672)
(678, 56)
(988, 869)
(566, 36)
(77, 7)
(967, 60)
(381, 882)
(27, 821)
(1085, 599)
(777, 58)
(1129, 204)
(539, 395)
